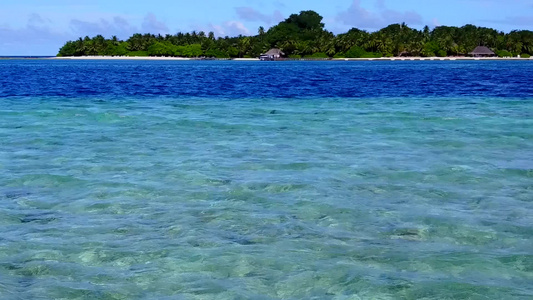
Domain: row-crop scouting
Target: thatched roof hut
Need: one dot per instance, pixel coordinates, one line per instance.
(482, 51)
(275, 52)
(272, 54)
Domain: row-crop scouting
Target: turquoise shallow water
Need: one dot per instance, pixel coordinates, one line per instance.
(167, 198)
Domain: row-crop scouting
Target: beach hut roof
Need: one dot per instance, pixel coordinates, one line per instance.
(482, 50)
(274, 51)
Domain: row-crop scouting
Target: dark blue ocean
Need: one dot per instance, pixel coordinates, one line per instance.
(265, 80)
(266, 180)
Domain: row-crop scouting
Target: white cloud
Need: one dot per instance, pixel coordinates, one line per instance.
(152, 25)
(250, 14)
(37, 37)
(41, 36)
(229, 28)
(358, 16)
(520, 22)
(118, 26)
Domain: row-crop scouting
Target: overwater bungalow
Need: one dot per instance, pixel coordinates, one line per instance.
(482, 51)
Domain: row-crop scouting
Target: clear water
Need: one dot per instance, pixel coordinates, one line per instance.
(170, 186)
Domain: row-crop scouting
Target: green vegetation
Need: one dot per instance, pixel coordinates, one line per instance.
(317, 55)
(303, 35)
(504, 53)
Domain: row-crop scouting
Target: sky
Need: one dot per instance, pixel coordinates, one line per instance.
(41, 27)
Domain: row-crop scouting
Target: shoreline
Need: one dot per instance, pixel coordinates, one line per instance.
(430, 58)
(156, 58)
(414, 58)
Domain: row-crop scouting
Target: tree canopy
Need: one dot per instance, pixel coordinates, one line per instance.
(303, 35)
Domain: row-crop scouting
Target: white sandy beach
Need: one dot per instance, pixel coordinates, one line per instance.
(433, 58)
(144, 58)
(121, 58)
(303, 59)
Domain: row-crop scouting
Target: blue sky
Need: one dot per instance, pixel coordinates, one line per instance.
(38, 27)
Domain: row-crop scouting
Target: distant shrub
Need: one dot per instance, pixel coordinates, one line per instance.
(193, 50)
(525, 55)
(318, 55)
(340, 55)
(68, 50)
(441, 53)
(504, 53)
(137, 53)
(161, 49)
(358, 52)
(355, 52)
(216, 53)
(372, 55)
(430, 49)
(295, 56)
(232, 51)
(120, 50)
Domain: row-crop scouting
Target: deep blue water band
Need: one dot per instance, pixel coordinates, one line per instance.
(240, 80)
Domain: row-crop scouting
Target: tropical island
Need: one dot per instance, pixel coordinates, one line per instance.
(303, 36)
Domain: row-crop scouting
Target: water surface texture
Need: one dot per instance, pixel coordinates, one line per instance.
(253, 80)
(230, 180)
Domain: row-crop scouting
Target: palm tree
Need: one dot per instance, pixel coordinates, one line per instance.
(289, 46)
(115, 40)
(243, 46)
(80, 47)
(426, 34)
(371, 44)
(194, 37)
(261, 32)
(187, 38)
